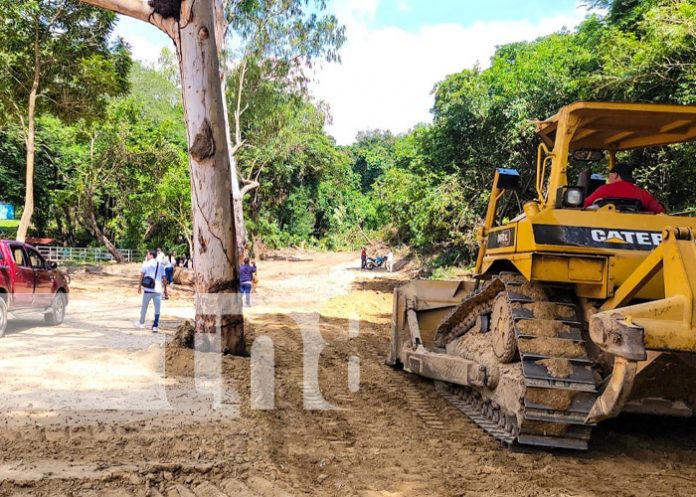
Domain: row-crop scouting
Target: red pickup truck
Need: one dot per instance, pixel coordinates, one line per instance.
(29, 284)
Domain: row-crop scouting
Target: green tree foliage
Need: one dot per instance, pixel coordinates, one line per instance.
(273, 42)
(12, 167)
(115, 171)
(436, 184)
(79, 65)
(309, 191)
(124, 161)
(282, 37)
(372, 153)
(128, 168)
(55, 57)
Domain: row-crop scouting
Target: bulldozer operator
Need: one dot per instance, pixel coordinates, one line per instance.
(620, 185)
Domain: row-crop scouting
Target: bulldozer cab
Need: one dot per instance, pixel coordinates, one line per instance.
(588, 130)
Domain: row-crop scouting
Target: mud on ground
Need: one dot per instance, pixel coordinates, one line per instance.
(393, 437)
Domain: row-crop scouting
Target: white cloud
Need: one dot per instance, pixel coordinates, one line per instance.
(146, 41)
(145, 50)
(403, 5)
(356, 11)
(387, 74)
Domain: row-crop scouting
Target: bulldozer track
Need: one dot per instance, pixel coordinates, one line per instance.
(423, 408)
(559, 383)
(481, 412)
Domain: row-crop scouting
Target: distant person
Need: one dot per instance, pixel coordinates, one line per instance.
(160, 255)
(169, 269)
(246, 280)
(152, 284)
(363, 258)
(171, 264)
(390, 261)
(620, 185)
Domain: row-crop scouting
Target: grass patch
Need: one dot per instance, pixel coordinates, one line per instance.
(450, 273)
(9, 223)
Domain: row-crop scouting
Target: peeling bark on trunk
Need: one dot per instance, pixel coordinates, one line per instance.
(214, 253)
(30, 140)
(238, 209)
(215, 261)
(236, 196)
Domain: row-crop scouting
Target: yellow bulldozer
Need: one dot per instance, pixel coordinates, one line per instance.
(574, 314)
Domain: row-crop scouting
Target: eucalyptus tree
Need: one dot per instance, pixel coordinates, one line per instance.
(197, 27)
(270, 46)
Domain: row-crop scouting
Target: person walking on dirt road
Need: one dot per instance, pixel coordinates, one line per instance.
(363, 258)
(390, 261)
(152, 283)
(246, 280)
(169, 263)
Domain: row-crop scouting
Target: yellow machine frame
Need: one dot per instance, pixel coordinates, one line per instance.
(609, 257)
(633, 275)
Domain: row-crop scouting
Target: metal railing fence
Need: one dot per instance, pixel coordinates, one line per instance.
(87, 254)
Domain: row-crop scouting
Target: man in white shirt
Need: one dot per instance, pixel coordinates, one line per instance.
(390, 261)
(152, 283)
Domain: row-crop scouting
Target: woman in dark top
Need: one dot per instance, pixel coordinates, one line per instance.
(246, 277)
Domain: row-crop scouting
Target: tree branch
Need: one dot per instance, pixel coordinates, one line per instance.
(139, 9)
(238, 112)
(250, 185)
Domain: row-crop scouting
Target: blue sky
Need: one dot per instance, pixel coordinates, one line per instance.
(397, 50)
(412, 14)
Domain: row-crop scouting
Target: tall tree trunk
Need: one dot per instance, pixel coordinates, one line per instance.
(98, 233)
(236, 196)
(215, 261)
(238, 207)
(191, 24)
(30, 141)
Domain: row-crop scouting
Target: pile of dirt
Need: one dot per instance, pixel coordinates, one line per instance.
(183, 276)
(184, 336)
(558, 368)
(542, 328)
(179, 353)
(557, 399)
(551, 347)
(289, 254)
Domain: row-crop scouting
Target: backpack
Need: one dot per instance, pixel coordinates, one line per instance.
(148, 281)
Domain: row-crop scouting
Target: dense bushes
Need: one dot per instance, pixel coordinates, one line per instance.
(434, 182)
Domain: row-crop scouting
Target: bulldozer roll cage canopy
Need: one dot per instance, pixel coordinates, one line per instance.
(621, 126)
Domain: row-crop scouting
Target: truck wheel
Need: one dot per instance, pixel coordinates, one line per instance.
(56, 312)
(3, 316)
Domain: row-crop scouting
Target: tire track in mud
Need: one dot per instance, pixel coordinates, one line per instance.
(133, 485)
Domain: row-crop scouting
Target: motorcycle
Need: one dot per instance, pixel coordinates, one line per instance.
(373, 262)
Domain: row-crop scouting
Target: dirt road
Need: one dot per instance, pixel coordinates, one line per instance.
(89, 409)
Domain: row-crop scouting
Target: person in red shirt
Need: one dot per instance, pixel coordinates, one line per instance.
(621, 185)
